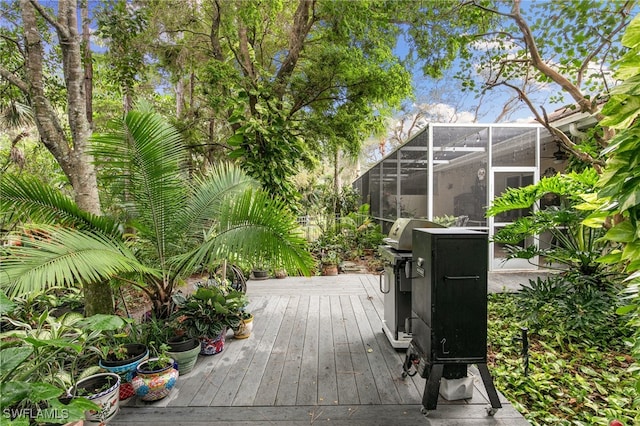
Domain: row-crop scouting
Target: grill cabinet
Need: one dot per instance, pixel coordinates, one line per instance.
(449, 308)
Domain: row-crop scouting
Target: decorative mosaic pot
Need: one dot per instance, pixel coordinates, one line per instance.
(107, 399)
(152, 385)
(126, 368)
(212, 346)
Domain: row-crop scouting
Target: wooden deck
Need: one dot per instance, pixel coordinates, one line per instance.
(317, 355)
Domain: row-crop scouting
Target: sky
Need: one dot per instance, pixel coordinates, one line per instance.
(443, 101)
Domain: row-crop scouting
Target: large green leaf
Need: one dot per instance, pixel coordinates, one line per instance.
(6, 305)
(254, 226)
(10, 358)
(631, 37)
(56, 343)
(102, 322)
(44, 204)
(13, 392)
(624, 232)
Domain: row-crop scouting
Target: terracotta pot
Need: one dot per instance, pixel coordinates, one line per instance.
(330, 270)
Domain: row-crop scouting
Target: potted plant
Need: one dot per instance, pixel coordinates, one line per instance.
(40, 358)
(208, 313)
(329, 263)
(184, 350)
(120, 353)
(260, 272)
(155, 377)
(245, 327)
(103, 389)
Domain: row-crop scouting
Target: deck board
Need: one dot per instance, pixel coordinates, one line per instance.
(347, 391)
(249, 385)
(367, 390)
(317, 353)
(327, 381)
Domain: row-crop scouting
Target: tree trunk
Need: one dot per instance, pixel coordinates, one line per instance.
(336, 184)
(88, 62)
(70, 150)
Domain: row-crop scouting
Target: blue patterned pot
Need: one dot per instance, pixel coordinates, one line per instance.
(126, 369)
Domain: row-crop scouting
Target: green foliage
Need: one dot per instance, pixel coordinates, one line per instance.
(210, 310)
(122, 25)
(575, 383)
(41, 359)
(348, 238)
(174, 225)
(571, 309)
(578, 37)
(619, 195)
(573, 244)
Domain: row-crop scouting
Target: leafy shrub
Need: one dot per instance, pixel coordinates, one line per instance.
(569, 383)
(571, 311)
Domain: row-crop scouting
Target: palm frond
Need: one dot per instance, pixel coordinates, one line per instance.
(146, 156)
(66, 257)
(43, 204)
(16, 115)
(207, 194)
(254, 226)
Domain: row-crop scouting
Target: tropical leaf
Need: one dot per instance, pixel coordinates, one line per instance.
(43, 204)
(223, 181)
(178, 223)
(146, 155)
(257, 227)
(66, 257)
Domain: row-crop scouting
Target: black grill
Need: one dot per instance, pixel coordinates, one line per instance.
(449, 309)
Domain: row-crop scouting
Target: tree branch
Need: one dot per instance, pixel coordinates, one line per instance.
(214, 37)
(303, 20)
(486, 9)
(14, 42)
(15, 80)
(50, 19)
(557, 133)
(605, 41)
(537, 62)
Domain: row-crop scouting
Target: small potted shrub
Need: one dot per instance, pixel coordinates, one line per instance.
(121, 357)
(208, 313)
(155, 377)
(260, 272)
(329, 263)
(245, 327)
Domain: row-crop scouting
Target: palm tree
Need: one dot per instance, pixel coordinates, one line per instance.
(171, 226)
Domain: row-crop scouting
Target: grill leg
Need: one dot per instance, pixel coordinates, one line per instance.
(432, 387)
(489, 386)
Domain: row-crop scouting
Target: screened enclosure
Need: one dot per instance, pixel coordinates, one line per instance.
(448, 173)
